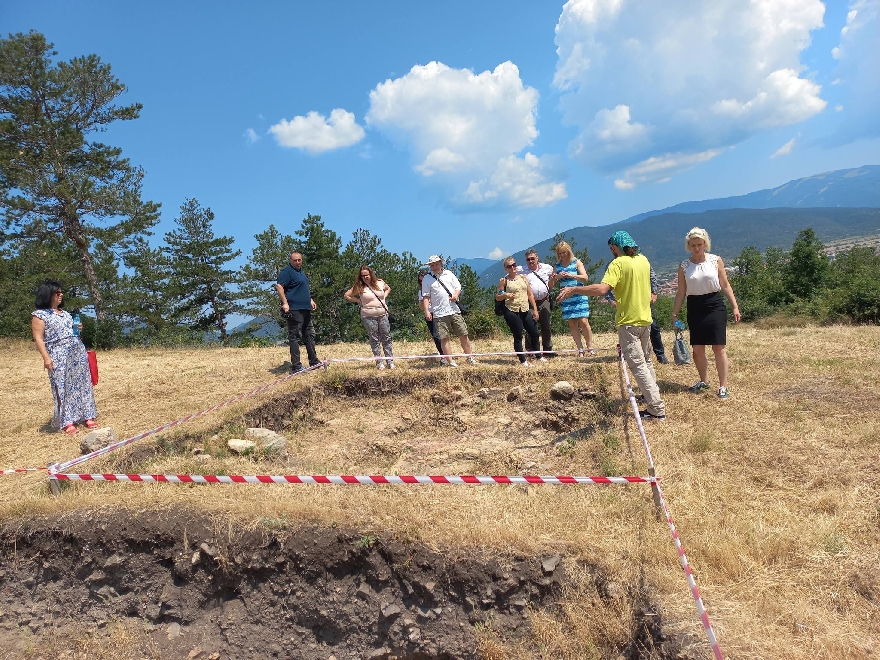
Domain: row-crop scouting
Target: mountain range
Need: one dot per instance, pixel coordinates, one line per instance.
(836, 205)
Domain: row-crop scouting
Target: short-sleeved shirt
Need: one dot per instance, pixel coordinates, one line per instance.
(438, 298)
(630, 277)
(538, 279)
(296, 287)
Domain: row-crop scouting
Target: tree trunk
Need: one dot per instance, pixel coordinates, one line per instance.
(73, 230)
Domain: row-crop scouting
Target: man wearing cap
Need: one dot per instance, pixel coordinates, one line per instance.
(538, 276)
(297, 307)
(629, 274)
(441, 291)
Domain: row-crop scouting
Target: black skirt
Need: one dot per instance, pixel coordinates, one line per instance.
(707, 319)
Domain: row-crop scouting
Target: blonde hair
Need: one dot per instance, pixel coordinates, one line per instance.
(563, 247)
(697, 232)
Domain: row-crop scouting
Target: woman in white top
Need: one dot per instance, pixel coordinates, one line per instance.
(371, 294)
(702, 279)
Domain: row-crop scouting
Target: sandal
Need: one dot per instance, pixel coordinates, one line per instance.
(91, 424)
(70, 429)
(591, 352)
(581, 352)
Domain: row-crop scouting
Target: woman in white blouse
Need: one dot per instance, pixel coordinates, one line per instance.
(702, 279)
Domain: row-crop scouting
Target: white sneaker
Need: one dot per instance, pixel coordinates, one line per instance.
(391, 365)
(525, 364)
(472, 360)
(452, 363)
(543, 359)
(444, 362)
(381, 365)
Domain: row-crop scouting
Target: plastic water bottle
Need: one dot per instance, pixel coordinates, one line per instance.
(76, 324)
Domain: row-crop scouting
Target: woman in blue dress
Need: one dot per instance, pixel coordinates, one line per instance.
(65, 358)
(575, 309)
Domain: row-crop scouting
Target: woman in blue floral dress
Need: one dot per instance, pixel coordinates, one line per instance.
(65, 358)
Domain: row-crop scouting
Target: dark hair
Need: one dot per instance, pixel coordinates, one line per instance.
(45, 292)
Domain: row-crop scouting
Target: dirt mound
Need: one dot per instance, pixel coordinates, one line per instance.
(200, 587)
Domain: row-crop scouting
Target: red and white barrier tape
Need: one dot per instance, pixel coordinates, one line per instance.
(21, 470)
(140, 436)
(692, 583)
(353, 480)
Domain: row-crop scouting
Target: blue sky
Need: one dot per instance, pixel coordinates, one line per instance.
(474, 129)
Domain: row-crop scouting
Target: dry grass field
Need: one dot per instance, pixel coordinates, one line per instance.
(775, 492)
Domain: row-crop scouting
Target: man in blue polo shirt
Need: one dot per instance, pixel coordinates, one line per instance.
(297, 307)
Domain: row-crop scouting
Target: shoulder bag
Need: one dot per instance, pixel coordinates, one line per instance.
(501, 305)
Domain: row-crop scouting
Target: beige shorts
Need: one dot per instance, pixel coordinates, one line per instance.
(450, 326)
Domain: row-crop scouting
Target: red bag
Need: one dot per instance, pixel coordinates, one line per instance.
(93, 366)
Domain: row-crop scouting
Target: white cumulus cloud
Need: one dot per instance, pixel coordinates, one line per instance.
(656, 87)
(497, 253)
(465, 131)
(316, 133)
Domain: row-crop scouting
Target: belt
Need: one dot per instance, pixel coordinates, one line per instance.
(541, 299)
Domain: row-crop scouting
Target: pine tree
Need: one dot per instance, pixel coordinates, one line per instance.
(53, 179)
(199, 286)
(320, 248)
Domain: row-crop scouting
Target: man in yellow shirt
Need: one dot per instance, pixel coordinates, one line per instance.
(629, 274)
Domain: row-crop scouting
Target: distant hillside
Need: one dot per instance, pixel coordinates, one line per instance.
(661, 237)
(855, 188)
(477, 263)
(260, 326)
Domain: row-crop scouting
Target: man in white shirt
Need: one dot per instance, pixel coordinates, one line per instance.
(538, 276)
(441, 292)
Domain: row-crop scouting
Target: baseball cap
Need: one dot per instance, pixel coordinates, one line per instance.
(434, 258)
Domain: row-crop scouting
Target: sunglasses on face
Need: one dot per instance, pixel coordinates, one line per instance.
(510, 265)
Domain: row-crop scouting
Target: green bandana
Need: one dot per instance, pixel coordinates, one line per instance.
(622, 239)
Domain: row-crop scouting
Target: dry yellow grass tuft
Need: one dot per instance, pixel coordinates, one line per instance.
(774, 492)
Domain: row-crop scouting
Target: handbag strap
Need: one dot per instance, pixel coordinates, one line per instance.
(445, 287)
(543, 281)
(381, 300)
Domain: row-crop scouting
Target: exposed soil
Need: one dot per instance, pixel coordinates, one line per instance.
(205, 588)
(194, 585)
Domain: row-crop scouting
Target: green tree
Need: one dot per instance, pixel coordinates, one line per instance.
(24, 264)
(259, 275)
(53, 179)
(807, 267)
(149, 303)
(853, 290)
(200, 286)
